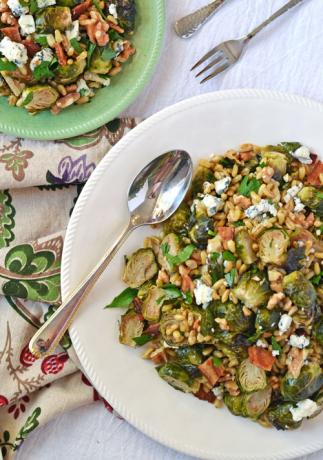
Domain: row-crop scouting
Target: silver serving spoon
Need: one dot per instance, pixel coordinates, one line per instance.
(153, 197)
(188, 25)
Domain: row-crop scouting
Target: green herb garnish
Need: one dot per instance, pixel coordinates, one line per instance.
(164, 248)
(75, 44)
(7, 66)
(33, 6)
(217, 362)
(316, 280)
(43, 71)
(124, 299)
(108, 54)
(172, 291)
(239, 223)
(262, 165)
(97, 6)
(114, 36)
(90, 50)
(143, 339)
(227, 255)
(211, 233)
(83, 92)
(214, 256)
(42, 40)
(182, 256)
(248, 185)
(230, 277)
(275, 345)
(27, 99)
(188, 297)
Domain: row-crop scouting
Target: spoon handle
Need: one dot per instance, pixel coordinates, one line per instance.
(48, 336)
(188, 25)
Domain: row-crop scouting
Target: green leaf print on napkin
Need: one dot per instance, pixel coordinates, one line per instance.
(32, 274)
(30, 424)
(7, 223)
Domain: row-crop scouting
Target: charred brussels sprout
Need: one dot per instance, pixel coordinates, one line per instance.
(301, 292)
(202, 175)
(70, 73)
(190, 355)
(244, 246)
(295, 259)
(250, 377)
(318, 330)
(40, 97)
(126, 10)
(177, 377)
(278, 161)
(54, 17)
(169, 319)
(131, 326)
(152, 304)
(267, 320)
(252, 292)
(233, 315)
(177, 223)
(170, 245)
(312, 197)
(249, 405)
(273, 244)
(309, 382)
(199, 233)
(98, 64)
(281, 418)
(140, 267)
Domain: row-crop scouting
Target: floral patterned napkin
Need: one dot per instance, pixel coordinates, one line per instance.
(39, 185)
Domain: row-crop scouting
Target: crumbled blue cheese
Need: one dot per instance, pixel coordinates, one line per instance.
(212, 204)
(16, 8)
(45, 55)
(299, 341)
(260, 209)
(83, 89)
(113, 10)
(203, 293)
(303, 409)
(302, 154)
(45, 3)
(261, 343)
(275, 352)
(27, 24)
(298, 205)
(14, 52)
(284, 323)
(222, 185)
(292, 192)
(218, 392)
(73, 31)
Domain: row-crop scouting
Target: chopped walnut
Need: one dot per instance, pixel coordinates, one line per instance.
(241, 201)
(274, 300)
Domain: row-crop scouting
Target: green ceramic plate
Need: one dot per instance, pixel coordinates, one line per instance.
(109, 102)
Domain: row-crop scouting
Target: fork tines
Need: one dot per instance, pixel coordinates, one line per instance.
(220, 63)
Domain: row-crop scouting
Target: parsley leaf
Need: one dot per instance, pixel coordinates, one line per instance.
(275, 345)
(227, 255)
(75, 44)
(143, 339)
(230, 277)
(27, 99)
(124, 299)
(317, 279)
(114, 36)
(172, 291)
(248, 185)
(108, 54)
(33, 6)
(182, 256)
(97, 6)
(164, 248)
(90, 50)
(262, 165)
(43, 71)
(8, 66)
(214, 256)
(217, 362)
(321, 229)
(42, 40)
(83, 92)
(188, 297)
(239, 223)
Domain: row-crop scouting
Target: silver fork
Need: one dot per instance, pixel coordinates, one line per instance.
(227, 53)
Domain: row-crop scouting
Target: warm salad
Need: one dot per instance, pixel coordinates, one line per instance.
(55, 53)
(229, 297)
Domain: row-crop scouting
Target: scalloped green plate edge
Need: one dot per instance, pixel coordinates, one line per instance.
(108, 102)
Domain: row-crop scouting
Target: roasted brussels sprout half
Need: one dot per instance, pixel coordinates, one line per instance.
(69, 3)
(295, 259)
(252, 290)
(233, 314)
(131, 326)
(199, 232)
(318, 330)
(273, 244)
(169, 319)
(280, 416)
(278, 161)
(40, 97)
(190, 355)
(177, 223)
(70, 73)
(244, 246)
(207, 320)
(126, 10)
(152, 304)
(312, 197)
(177, 377)
(99, 65)
(250, 377)
(54, 18)
(267, 320)
(202, 175)
(309, 382)
(249, 405)
(301, 292)
(140, 267)
(170, 245)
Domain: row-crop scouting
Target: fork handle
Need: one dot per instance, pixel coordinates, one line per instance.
(274, 16)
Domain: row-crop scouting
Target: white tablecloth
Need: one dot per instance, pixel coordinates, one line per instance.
(287, 56)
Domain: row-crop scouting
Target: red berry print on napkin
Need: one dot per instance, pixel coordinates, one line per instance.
(26, 357)
(54, 363)
(3, 401)
(18, 407)
(96, 396)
